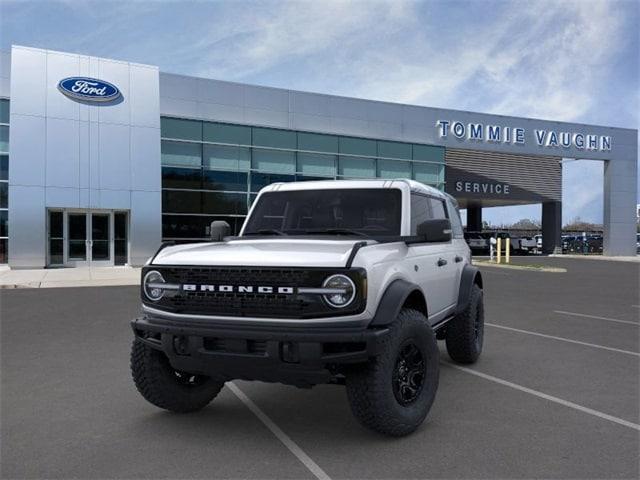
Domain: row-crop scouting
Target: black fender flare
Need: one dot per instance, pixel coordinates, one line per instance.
(470, 275)
(392, 300)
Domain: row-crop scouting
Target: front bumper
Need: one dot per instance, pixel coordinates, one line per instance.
(301, 357)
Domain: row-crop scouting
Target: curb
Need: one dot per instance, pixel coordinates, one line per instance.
(521, 267)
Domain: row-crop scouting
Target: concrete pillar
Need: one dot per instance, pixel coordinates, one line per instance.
(620, 198)
(474, 218)
(551, 227)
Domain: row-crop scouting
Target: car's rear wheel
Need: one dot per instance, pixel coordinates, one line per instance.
(393, 393)
(465, 333)
(163, 386)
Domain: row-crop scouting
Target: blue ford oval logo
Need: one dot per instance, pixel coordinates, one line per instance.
(89, 89)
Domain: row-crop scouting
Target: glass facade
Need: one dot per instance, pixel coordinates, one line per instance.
(4, 180)
(212, 171)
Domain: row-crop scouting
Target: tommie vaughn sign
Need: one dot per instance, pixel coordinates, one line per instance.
(88, 89)
(478, 132)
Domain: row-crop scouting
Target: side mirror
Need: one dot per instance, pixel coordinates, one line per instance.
(219, 230)
(434, 230)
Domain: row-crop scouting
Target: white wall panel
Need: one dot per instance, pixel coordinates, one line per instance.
(115, 199)
(115, 156)
(28, 81)
(28, 227)
(265, 98)
(223, 93)
(144, 97)
(146, 225)
(63, 153)
(27, 142)
(62, 197)
(145, 155)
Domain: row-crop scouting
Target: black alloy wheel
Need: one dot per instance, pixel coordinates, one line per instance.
(408, 374)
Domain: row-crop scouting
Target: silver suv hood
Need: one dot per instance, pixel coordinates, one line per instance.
(271, 252)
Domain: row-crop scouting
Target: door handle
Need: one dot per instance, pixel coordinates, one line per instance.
(458, 258)
(442, 262)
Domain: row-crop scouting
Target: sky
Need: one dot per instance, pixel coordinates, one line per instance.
(558, 60)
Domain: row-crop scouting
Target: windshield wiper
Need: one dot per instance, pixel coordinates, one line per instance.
(338, 231)
(266, 231)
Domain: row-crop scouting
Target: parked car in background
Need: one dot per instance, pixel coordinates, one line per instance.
(477, 243)
(528, 244)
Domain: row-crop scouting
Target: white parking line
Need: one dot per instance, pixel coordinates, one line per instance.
(551, 398)
(563, 339)
(596, 317)
(280, 435)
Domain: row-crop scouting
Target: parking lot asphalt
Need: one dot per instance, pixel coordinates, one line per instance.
(556, 394)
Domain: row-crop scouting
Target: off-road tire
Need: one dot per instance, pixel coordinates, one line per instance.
(160, 384)
(465, 333)
(370, 388)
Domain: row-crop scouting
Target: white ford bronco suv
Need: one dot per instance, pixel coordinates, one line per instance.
(343, 282)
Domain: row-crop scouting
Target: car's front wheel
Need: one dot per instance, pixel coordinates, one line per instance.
(394, 392)
(163, 386)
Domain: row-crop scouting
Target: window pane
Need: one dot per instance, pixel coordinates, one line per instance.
(55, 225)
(4, 167)
(183, 129)
(317, 164)
(358, 146)
(357, 167)
(276, 161)
(224, 133)
(307, 178)
(419, 211)
(428, 153)
(4, 111)
(317, 143)
(428, 173)
(186, 226)
(370, 211)
(227, 158)
(271, 137)
(4, 192)
(394, 150)
(4, 223)
(4, 139)
(174, 201)
(437, 208)
(231, 203)
(179, 153)
(173, 177)
(56, 252)
(260, 180)
(4, 251)
(456, 223)
(394, 169)
(217, 180)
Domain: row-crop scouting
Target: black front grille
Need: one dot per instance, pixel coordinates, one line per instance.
(275, 305)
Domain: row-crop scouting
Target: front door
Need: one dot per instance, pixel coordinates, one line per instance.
(87, 238)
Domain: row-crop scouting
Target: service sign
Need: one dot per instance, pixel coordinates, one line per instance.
(88, 89)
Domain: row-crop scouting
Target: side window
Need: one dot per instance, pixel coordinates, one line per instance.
(419, 211)
(438, 210)
(456, 223)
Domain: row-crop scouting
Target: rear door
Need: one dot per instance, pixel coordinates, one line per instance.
(434, 265)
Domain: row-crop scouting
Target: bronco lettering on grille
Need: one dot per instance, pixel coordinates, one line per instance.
(190, 287)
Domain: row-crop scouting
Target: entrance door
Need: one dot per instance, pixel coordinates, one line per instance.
(77, 240)
(87, 238)
(100, 242)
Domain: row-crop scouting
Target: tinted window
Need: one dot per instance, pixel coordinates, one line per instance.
(456, 223)
(217, 180)
(437, 208)
(419, 211)
(375, 212)
(173, 177)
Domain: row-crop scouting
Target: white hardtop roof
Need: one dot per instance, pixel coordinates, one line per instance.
(337, 184)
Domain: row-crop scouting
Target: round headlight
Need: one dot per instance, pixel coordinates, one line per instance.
(344, 290)
(151, 285)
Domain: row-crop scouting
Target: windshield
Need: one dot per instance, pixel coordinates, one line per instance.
(360, 212)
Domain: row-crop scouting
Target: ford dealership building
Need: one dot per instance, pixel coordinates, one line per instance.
(101, 160)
